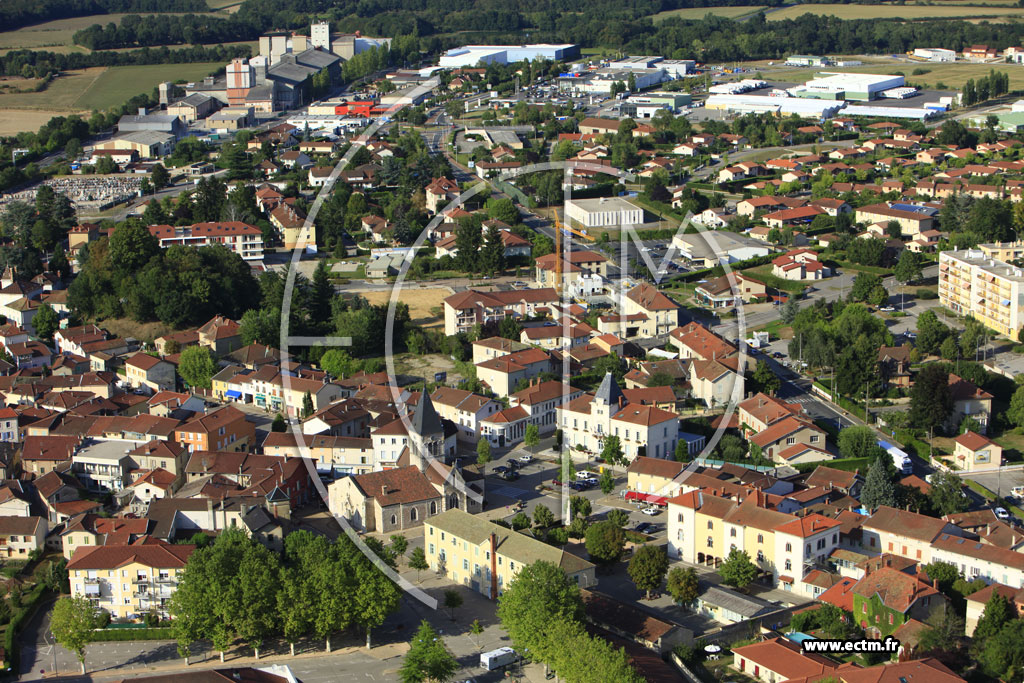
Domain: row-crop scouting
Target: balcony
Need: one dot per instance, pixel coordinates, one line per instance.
(140, 579)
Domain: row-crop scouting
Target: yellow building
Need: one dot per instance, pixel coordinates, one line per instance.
(992, 291)
(129, 581)
(474, 552)
(974, 453)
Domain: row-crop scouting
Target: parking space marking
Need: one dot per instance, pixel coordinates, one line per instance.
(512, 492)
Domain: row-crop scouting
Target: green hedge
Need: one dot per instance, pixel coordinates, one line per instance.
(30, 601)
(845, 464)
(109, 634)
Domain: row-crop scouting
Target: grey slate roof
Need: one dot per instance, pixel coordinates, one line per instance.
(609, 392)
(425, 419)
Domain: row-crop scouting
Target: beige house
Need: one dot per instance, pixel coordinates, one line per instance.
(21, 535)
(661, 311)
(155, 374)
(474, 552)
(504, 373)
(128, 581)
(386, 501)
(714, 382)
(654, 475)
(465, 409)
(904, 533)
(973, 452)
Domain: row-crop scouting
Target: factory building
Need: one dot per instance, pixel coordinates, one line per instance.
(848, 86)
(471, 55)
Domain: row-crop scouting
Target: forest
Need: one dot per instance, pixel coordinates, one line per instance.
(165, 29)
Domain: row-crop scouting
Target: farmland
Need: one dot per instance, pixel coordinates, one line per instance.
(88, 89)
(701, 12)
(54, 36)
(889, 11)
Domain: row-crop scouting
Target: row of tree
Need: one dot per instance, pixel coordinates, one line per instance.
(236, 589)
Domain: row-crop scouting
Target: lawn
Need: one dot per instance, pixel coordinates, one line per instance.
(701, 12)
(1013, 446)
(120, 83)
(892, 11)
(62, 93)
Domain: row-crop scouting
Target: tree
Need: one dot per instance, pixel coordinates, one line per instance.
(45, 322)
(647, 568)
(483, 451)
(307, 404)
(857, 442)
(542, 516)
(375, 599)
(510, 328)
(948, 349)
(606, 481)
(532, 436)
(737, 570)
(945, 628)
(612, 451)
(946, 494)
(930, 332)
(278, 425)
(764, 379)
(491, 258)
(579, 506)
(399, 544)
(476, 629)
(71, 624)
(159, 176)
(418, 561)
(1001, 655)
(427, 659)
(863, 285)
(682, 452)
(789, 310)
(452, 600)
(1015, 413)
(605, 543)
(682, 585)
(878, 487)
(539, 596)
(618, 517)
(502, 209)
(930, 398)
(197, 366)
(908, 268)
(998, 612)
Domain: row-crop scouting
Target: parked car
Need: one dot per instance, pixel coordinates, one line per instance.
(525, 459)
(511, 475)
(887, 309)
(642, 527)
(583, 474)
(500, 469)
(651, 511)
(1001, 513)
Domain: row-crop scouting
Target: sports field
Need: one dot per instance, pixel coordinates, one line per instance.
(701, 12)
(892, 11)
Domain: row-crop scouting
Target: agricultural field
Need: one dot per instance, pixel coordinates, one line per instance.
(54, 36)
(701, 12)
(87, 89)
(856, 11)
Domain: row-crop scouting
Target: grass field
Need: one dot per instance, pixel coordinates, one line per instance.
(893, 11)
(14, 121)
(701, 12)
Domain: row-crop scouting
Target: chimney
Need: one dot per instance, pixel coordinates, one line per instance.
(209, 511)
(383, 489)
(494, 567)
(935, 584)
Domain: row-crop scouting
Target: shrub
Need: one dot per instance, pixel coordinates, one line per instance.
(115, 634)
(927, 294)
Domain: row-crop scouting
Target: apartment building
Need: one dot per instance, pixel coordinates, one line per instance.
(155, 374)
(662, 312)
(464, 310)
(465, 409)
(504, 373)
(241, 238)
(484, 556)
(990, 290)
(224, 429)
(128, 581)
(904, 533)
(977, 559)
(641, 429)
(704, 528)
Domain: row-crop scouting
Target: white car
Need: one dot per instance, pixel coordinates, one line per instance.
(651, 512)
(525, 459)
(1001, 513)
(887, 309)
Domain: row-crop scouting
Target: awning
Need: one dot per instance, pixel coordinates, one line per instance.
(92, 589)
(786, 579)
(231, 393)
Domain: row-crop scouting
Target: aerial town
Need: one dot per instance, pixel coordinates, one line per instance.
(583, 342)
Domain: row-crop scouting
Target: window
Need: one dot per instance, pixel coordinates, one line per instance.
(808, 549)
(711, 525)
(711, 543)
(890, 619)
(732, 532)
(433, 507)
(413, 514)
(790, 440)
(680, 520)
(864, 608)
(394, 520)
(760, 556)
(814, 438)
(465, 564)
(789, 565)
(760, 538)
(789, 547)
